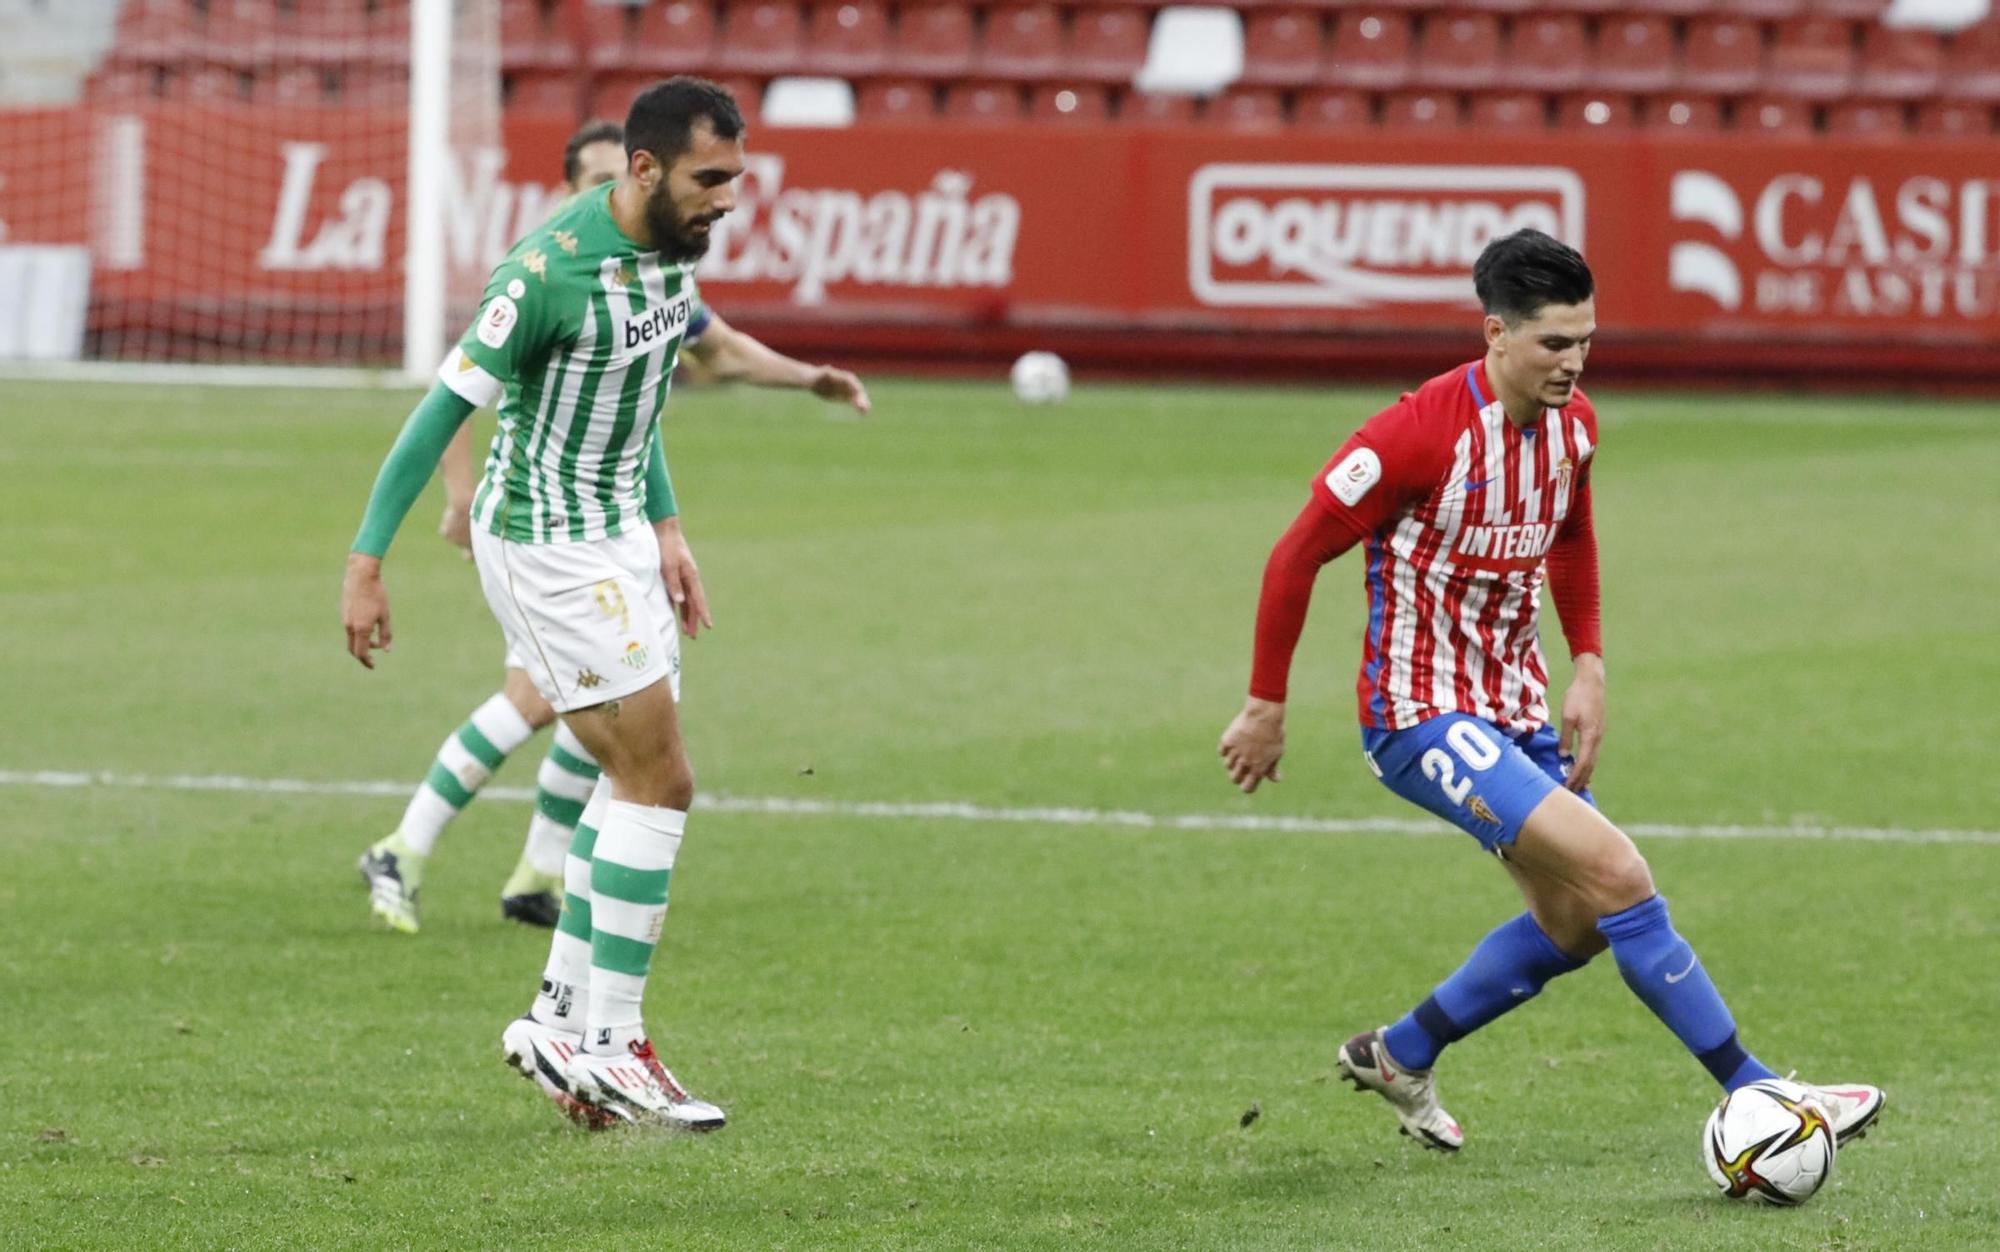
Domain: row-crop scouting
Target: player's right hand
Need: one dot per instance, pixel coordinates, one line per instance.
(1254, 742)
(364, 608)
(456, 525)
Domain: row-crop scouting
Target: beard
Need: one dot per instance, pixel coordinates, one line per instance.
(674, 236)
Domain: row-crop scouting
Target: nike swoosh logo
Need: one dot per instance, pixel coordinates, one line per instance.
(1692, 962)
(1474, 486)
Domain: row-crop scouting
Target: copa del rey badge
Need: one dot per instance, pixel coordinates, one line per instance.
(1356, 473)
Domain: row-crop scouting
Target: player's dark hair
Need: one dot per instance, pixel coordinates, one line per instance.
(663, 117)
(591, 132)
(1519, 273)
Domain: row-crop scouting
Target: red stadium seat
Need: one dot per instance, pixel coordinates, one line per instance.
(1596, 112)
(1955, 119)
(1332, 109)
(239, 33)
(983, 103)
(1868, 119)
(1775, 117)
(335, 30)
(933, 40)
(610, 34)
(1548, 52)
(155, 32)
(1282, 47)
(1674, 8)
(1677, 113)
(1723, 56)
(298, 85)
(1812, 57)
(669, 38)
(1371, 50)
(1510, 111)
(542, 91)
(1972, 63)
(1421, 110)
(1634, 53)
(1020, 41)
(1495, 6)
(122, 85)
(1068, 103)
(1459, 51)
(1764, 10)
(205, 84)
(1900, 64)
(376, 86)
(847, 38)
(532, 38)
(1107, 44)
(761, 37)
(885, 100)
(1156, 108)
(1850, 10)
(1591, 8)
(1247, 108)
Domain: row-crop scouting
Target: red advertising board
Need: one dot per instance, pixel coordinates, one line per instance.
(1005, 235)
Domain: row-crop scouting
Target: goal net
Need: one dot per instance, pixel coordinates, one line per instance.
(291, 182)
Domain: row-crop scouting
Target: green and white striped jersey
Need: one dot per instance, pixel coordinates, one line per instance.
(576, 338)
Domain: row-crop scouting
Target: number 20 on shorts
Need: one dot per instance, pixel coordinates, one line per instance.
(1473, 747)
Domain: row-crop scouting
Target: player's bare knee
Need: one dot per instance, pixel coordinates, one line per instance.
(1620, 878)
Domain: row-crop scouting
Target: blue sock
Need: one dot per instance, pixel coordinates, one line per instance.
(1507, 968)
(1663, 971)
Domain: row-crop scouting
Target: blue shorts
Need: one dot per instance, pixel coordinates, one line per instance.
(1478, 777)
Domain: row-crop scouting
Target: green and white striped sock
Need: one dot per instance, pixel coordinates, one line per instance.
(564, 996)
(464, 764)
(562, 787)
(629, 867)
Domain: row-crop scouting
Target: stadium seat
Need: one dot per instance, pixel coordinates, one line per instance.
(1106, 44)
(123, 85)
(1868, 119)
(808, 101)
(847, 37)
(1775, 117)
(1458, 52)
(893, 100)
(376, 86)
(531, 38)
(1955, 119)
(932, 41)
(1021, 41)
(1764, 10)
(542, 91)
(154, 32)
(1156, 108)
(204, 84)
(668, 38)
(1899, 64)
(337, 30)
(1723, 56)
(1497, 6)
(1596, 112)
(1510, 111)
(293, 87)
(1673, 8)
(1812, 57)
(983, 103)
(1548, 51)
(1332, 108)
(1192, 49)
(761, 37)
(1247, 108)
(1282, 47)
(1681, 113)
(1972, 63)
(610, 34)
(1070, 103)
(240, 33)
(1634, 53)
(1588, 8)
(1848, 10)
(1370, 51)
(1421, 110)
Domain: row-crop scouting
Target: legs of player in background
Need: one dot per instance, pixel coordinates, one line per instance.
(534, 892)
(1570, 845)
(393, 867)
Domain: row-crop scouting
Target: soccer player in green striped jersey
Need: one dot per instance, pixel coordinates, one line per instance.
(393, 867)
(581, 557)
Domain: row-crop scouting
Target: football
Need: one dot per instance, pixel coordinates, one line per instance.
(1768, 1143)
(1040, 378)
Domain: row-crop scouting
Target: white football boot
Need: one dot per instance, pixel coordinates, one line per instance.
(1852, 1107)
(1412, 1093)
(637, 1088)
(542, 1054)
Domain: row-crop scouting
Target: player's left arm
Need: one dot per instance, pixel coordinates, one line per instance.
(1573, 585)
(731, 355)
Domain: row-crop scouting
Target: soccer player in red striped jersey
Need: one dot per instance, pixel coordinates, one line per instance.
(1466, 496)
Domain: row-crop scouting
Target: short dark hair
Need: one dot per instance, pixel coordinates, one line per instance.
(662, 118)
(595, 131)
(1519, 273)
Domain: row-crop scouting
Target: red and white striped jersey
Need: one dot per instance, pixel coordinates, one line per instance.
(1459, 506)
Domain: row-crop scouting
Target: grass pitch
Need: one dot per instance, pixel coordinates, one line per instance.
(936, 1033)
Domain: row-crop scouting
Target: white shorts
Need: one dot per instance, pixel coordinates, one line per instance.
(588, 621)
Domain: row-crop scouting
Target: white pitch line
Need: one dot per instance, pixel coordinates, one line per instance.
(958, 811)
